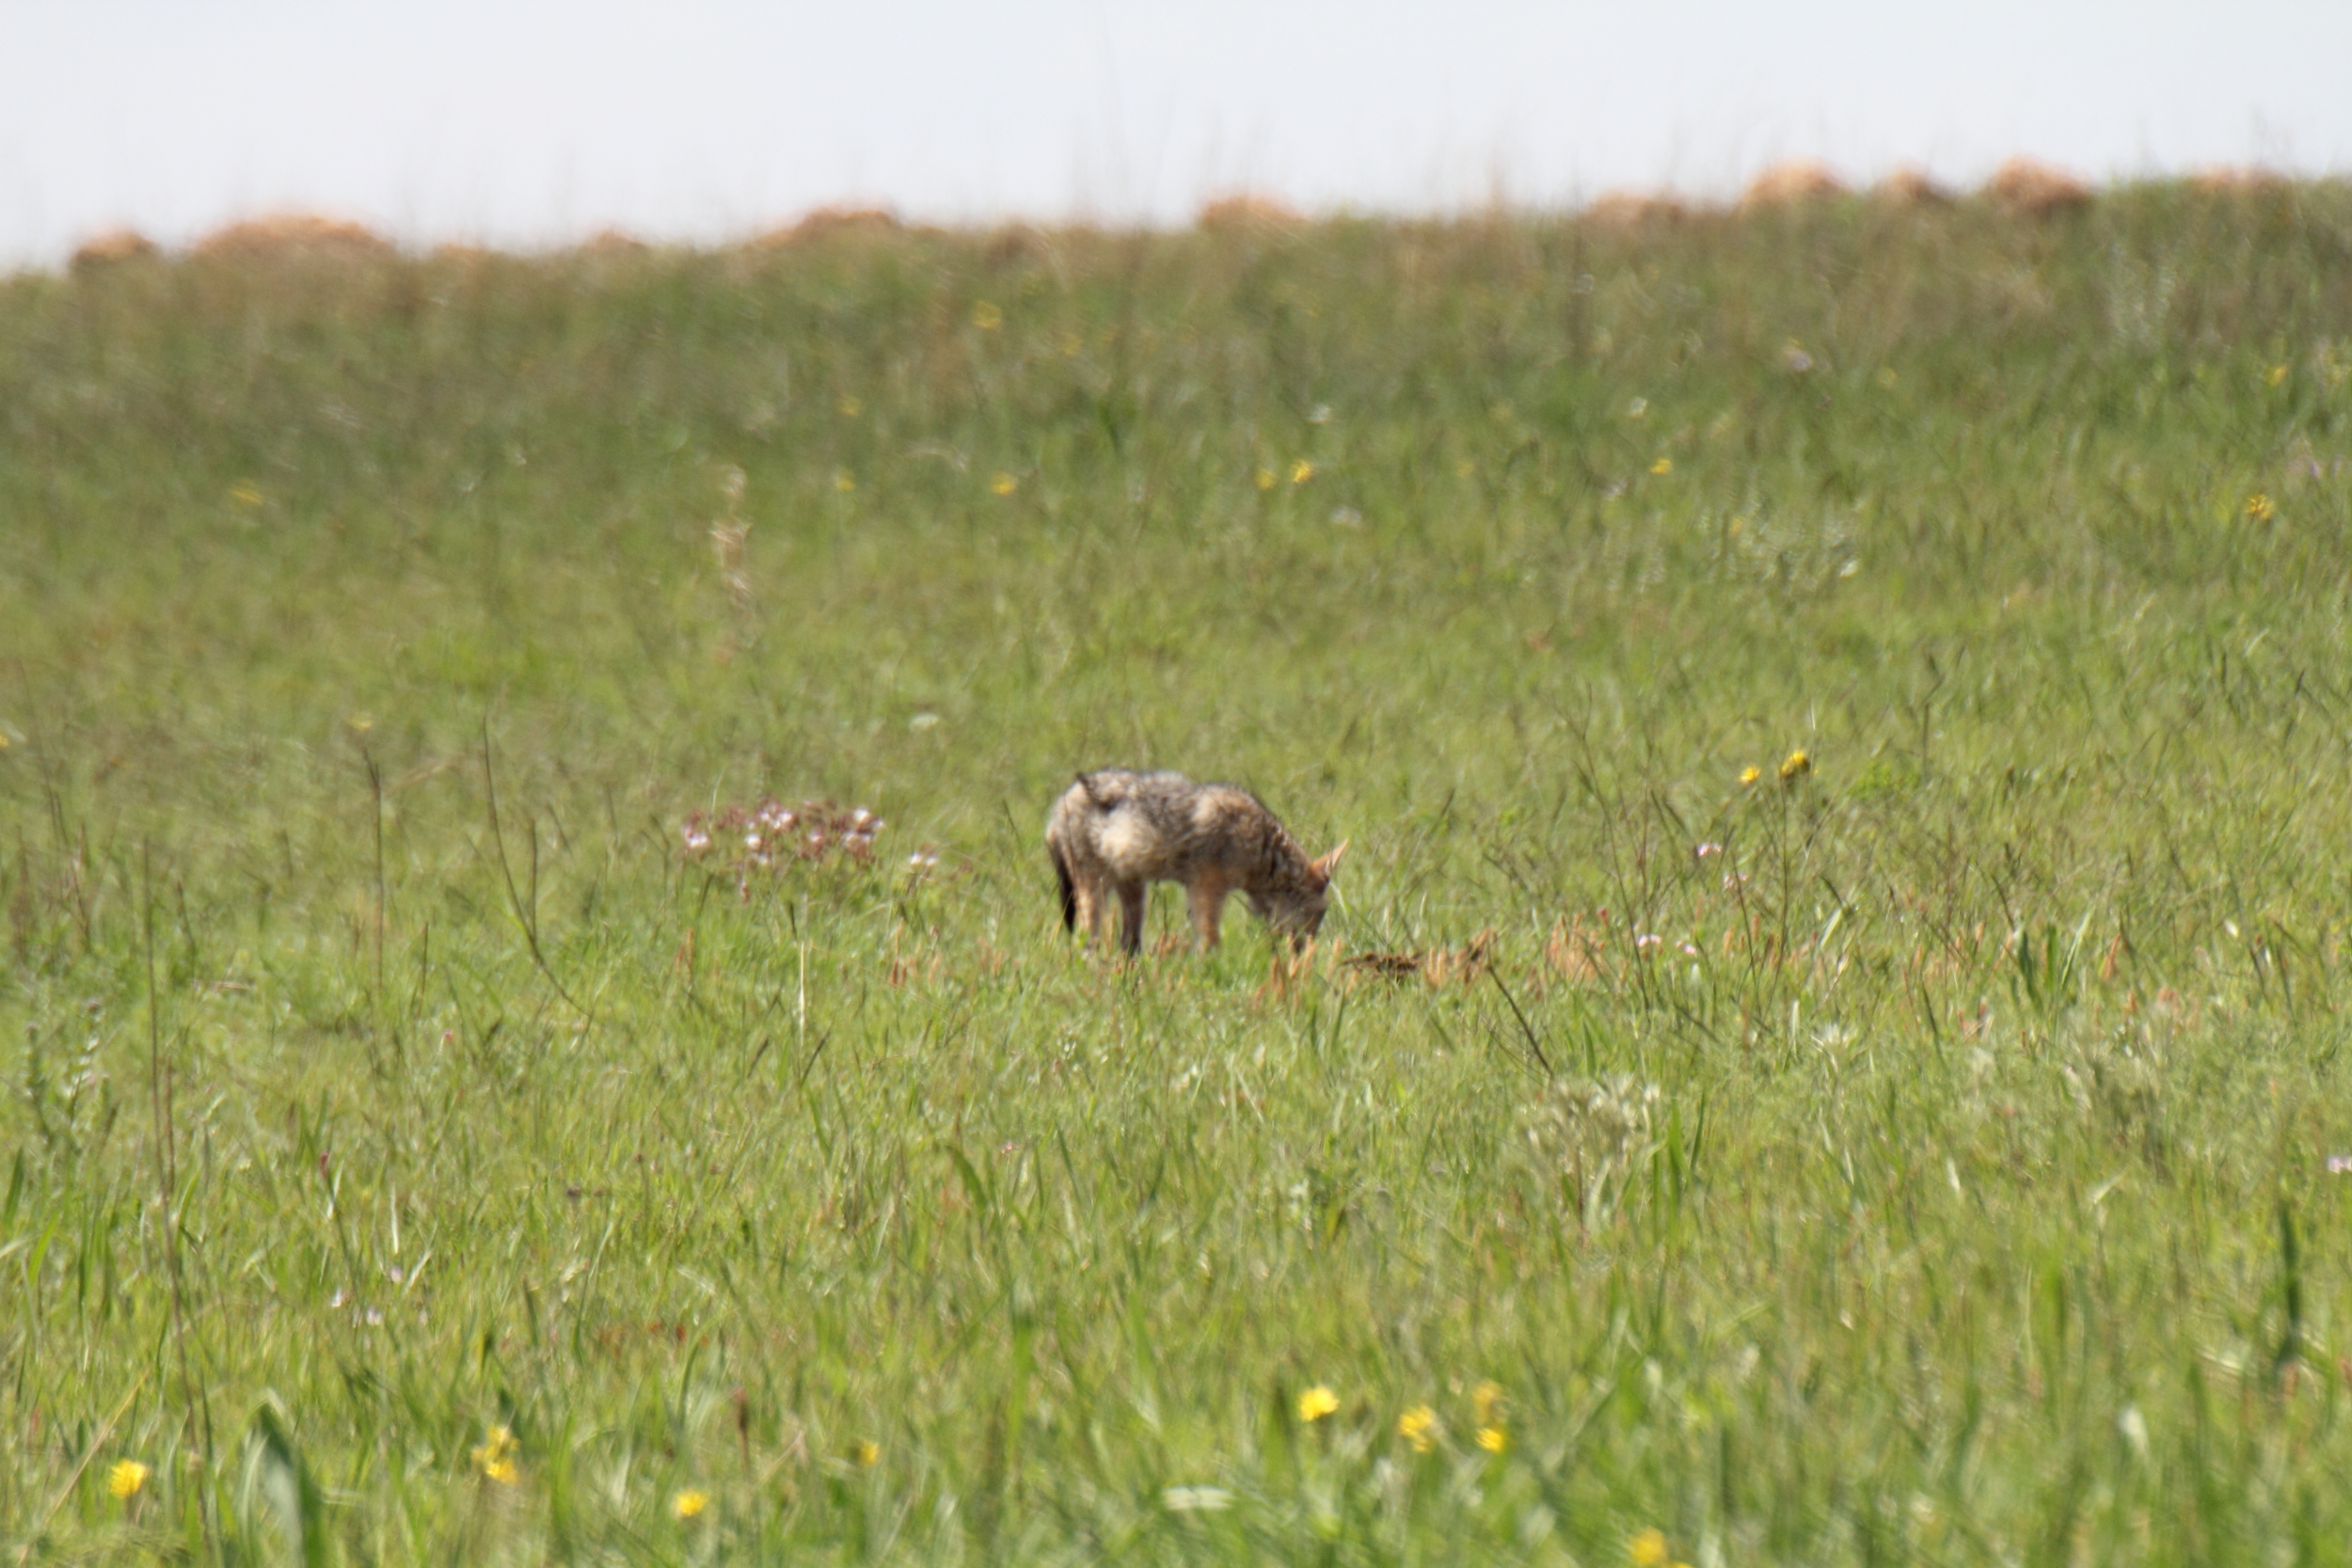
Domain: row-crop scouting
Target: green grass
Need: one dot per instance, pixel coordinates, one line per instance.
(1946, 1181)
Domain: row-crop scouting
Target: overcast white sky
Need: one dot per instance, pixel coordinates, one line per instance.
(531, 122)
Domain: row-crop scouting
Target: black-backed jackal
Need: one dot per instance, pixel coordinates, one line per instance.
(1116, 830)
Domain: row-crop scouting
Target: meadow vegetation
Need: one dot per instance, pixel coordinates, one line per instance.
(1826, 1050)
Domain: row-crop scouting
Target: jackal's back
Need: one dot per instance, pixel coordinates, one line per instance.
(1160, 826)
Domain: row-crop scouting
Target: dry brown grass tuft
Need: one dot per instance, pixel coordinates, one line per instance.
(2036, 190)
(1576, 953)
(111, 248)
(614, 242)
(1911, 187)
(1439, 966)
(1243, 212)
(294, 237)
(1628, 211)
(1012, 244)
(833, 223)
(1798, 181)
(2226, 180)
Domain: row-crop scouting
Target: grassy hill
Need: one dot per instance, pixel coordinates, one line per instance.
(1843, 714)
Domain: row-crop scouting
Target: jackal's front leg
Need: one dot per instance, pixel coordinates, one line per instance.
(1207, 894)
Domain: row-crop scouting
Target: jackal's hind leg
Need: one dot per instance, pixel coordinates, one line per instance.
(1087, 899)
(1131, 915)
(1207, 894)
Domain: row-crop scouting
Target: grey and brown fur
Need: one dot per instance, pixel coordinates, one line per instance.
(1116, 830)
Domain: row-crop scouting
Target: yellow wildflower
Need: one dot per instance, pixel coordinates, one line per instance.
(1749, 774)
(1795, 765)
(844, 481)
(495, 1456)
(126, 1478)
(1265, 479)
(2261, 507)
(688, 1503)
(1647, 1548)
(1493, 1439)
(867, 1453)
(1486, 1399)
(1419, 1427)
(1663, 465)
(1317, 1402)
(1003, 484)
(1301, 471)
(2274, 374)
(986, 317)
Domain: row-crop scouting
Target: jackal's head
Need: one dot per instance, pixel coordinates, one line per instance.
(1295, 907)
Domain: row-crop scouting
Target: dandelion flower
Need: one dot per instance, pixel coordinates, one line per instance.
(688, 1503)
(1301, 471)
(1749, 774)
(867, 1453)
(844, 481)
(125, 1479)
(1647, 1548)
(1662, 466)
(986, 317)
(1264, 477)
(1419, 1427)
(2261, 507)
(1317, 1402)
(1493, 1439)
(1003, 484)
(1795, 765)
(495, 1456)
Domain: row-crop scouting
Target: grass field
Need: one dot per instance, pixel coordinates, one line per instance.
(415, 1155)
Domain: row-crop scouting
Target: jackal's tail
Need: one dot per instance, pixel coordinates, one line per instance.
(1068, 893)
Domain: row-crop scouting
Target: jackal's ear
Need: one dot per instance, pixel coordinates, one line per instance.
(1330, 862)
